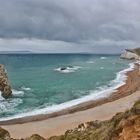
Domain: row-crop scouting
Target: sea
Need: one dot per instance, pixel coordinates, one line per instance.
(45, 83)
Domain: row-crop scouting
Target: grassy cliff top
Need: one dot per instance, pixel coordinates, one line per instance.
(136, 50)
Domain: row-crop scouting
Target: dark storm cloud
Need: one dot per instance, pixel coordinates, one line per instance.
(76, 21)
(70, 20)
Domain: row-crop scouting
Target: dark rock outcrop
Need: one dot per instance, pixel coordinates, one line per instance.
(5, 87)
(63, 68)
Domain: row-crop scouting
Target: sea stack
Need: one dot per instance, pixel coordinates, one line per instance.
(5, 87)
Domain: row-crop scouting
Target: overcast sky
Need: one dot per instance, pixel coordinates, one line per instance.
(96, 26)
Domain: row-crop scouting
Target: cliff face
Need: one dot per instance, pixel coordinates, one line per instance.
(123, 126)
(5, 87)
(131, 54)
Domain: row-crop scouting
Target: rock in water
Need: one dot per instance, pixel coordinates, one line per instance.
(5, 87)
(63, 68)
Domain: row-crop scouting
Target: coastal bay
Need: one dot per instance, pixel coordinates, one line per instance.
(119, 101)
(39, 86)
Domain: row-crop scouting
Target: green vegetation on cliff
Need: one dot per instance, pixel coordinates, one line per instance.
(104, 130)
(136, 50)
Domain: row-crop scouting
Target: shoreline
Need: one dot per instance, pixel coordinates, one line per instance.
(132, 83)
(59, 125)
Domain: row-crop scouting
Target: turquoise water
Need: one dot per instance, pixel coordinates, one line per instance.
(37, 82)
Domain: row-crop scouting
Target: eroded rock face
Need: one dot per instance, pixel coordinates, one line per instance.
(5, 87)
(130, 129)
(130, 54)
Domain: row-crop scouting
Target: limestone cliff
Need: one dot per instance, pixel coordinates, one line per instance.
(131, 54)
(5, 87)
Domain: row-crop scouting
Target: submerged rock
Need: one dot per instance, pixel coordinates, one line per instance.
(66, 68)
(63, 68)
(5, 87)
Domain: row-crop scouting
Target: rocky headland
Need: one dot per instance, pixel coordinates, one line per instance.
(131, 54)
(5, 87)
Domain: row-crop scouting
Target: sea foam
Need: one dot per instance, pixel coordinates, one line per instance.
(25, 88)
(67, 69)
(90, 62)
(103, 57)
(17, 93)
(8, 105)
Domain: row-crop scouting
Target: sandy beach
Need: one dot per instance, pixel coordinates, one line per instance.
(57, 123)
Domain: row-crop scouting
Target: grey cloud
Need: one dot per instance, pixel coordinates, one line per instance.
(51, 46)
(41, 46)
(71, 20)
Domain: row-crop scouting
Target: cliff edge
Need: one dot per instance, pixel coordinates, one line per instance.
(5, 87)
(131, 54)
